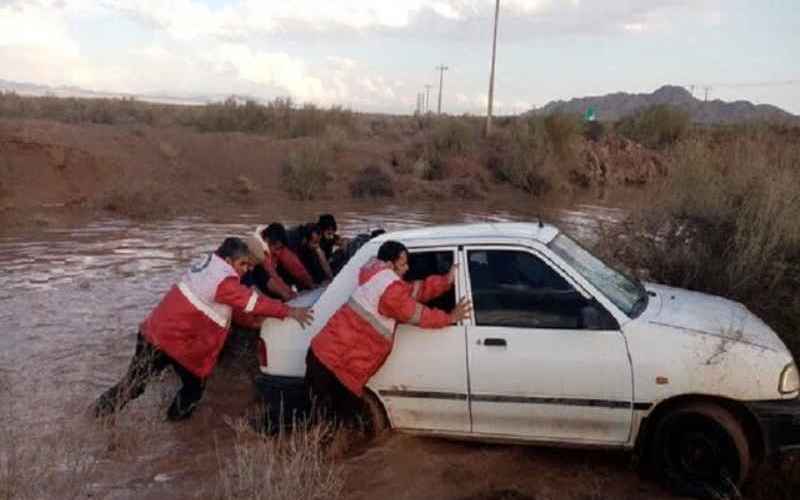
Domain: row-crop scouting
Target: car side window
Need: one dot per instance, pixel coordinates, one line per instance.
(512, 288)
(424, 264)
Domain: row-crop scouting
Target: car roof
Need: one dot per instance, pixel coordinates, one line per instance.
(474, 233)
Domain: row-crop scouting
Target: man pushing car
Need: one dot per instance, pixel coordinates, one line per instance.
(188, 328)
(358, 338)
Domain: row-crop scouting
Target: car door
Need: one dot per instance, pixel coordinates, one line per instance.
(546, 361)
(423, 382)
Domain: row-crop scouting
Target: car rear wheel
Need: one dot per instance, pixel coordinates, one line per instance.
(374, 415)
(701, 450)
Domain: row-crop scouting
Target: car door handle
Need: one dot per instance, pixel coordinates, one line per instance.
(495, 342)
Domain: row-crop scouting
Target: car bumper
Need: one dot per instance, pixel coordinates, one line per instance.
(285, 399)
(780, 424)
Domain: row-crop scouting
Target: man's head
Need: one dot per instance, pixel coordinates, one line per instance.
(275, 236)
(396, 254)
(327, 226)
(235, 252)
(310, 234)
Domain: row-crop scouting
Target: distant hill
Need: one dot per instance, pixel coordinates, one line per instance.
(611, 107)
(32, 89)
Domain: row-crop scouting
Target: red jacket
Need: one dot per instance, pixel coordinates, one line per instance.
(358, 338)
(288, 261)
(191, 322)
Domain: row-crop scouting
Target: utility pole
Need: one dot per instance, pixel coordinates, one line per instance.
(707, 89)
(427, 98)
(491, 75)
(441, 69)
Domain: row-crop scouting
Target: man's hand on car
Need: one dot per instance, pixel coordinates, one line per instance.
(302, 315)
(461, 311)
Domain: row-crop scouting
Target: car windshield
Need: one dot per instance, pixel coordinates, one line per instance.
(626, 293)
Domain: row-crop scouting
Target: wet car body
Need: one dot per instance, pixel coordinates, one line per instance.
(561, 349)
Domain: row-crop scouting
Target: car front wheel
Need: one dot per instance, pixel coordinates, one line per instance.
(701, 450)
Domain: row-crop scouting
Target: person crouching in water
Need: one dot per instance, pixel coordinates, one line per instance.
(358, 338)
(187, 330)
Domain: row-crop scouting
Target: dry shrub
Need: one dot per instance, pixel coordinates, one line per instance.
(466, 189)
(140, 203)
(401, 164)
(444, 138)
(279, 117)
(113, 111)
(304, 174)
(372, 182)
(656, 127)
(728, 223)
(594, 131)
(294, 465)
(336, 138)
(517, 155)
(562, 130)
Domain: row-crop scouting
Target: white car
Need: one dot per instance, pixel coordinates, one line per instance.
(562, 349)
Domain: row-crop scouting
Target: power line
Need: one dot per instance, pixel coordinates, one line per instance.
(774, 83)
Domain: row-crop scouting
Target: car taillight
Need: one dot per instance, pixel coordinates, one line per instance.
(262, 353)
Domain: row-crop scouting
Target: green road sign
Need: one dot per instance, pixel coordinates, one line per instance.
(590, 116)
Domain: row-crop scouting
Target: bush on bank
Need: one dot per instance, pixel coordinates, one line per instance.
(726, 222)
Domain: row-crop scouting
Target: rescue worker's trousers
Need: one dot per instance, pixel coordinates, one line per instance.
(330, 399)
(148, 362)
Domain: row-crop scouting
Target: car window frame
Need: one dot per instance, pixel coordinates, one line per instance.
(454, 249)
(561, 270)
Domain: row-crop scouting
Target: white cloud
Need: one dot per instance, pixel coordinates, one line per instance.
(190, 19)
(269, 69)
(254, 47)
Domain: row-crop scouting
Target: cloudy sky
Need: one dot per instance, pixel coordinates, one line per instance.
(376, 55)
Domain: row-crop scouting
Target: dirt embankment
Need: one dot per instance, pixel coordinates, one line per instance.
(51, 170)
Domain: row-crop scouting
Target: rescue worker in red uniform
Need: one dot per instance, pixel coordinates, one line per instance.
(358, 338)
(284, 259)
(188, 328)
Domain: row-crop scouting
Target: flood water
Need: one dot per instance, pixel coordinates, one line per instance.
(71, 300)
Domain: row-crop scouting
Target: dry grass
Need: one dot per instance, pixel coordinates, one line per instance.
(305, 174)
(295, 465)
(43, 461)
(518, 153)
(280, 117)
(372, 181)
(656, 127)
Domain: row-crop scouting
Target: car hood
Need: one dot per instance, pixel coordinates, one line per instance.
(708, 314)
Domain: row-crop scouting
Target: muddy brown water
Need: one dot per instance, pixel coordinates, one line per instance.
(70, 302)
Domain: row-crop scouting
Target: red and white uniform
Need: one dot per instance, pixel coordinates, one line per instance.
(357, 340)
(191, 322)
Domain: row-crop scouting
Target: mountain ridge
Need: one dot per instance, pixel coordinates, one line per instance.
(613, 106)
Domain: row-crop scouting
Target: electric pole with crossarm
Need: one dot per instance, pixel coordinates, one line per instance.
(491, 74)
(441, 69)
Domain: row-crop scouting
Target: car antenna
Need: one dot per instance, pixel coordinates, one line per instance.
(541, 226)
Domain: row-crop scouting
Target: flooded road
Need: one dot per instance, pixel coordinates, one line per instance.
(71, 300)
